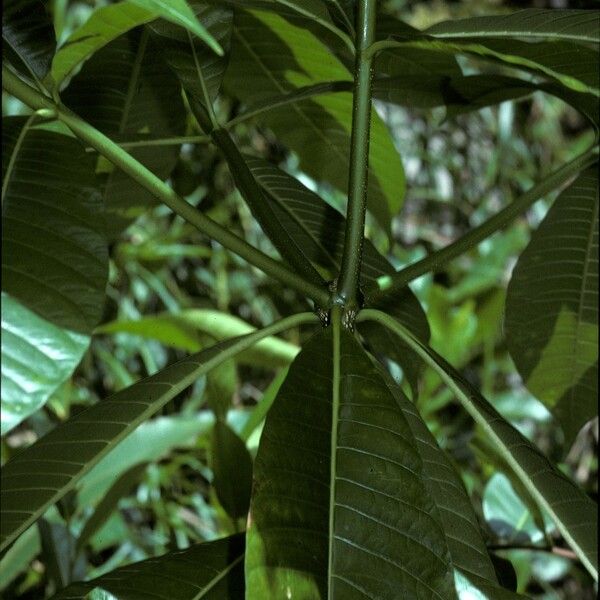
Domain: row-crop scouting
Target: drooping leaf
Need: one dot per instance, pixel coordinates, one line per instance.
(211, 571)
(232, 470)
(270, 57)
(28, 36)
(184, 330)
(340, 508)
(574, 514)
(319, 230)
(125, 90)
(44, 472)
(109, 22)
(552, 307)
(180, 13)
(54, 251)
(571, 25)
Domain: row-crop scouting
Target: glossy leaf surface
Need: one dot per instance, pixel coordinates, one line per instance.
(28, 35)
(340, 508)
(37, 356)
(552, 307)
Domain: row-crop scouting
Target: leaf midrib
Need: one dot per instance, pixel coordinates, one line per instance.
(335, 404)
(13, 157)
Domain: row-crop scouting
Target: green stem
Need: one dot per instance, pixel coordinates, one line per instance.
(359, 157)
(121, 159)
(392, 284)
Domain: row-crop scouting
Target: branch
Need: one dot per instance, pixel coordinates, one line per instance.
(121, 159)
(392, 284)
(359, 159)
(566, 552)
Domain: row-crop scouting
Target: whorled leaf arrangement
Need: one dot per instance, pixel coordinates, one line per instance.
(350, 497)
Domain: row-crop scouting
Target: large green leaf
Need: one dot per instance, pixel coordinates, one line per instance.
(552, 307)
(184, 330)
(232, 470)
(109, 22)
(43, 473)
(319, 230)
(37, 357)
(572, 65)
(462, 93)
(340, 508)
(125, 90)
(28, 36)
(211, 571)
(54, 251)
(54, 264)
(271, 57)
(575, 515)
(459, 522)
(571, 25)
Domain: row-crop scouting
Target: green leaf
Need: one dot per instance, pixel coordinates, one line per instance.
(28, 36)
(109, 503)
(148, 102)
(43, 473)
(197, 68)
(109, 22)
(54, 264)
(552, 307)
(232, 470)
(575, 518)
(54, 251)
(271, 57)
(181, 330)
(571, 25)
(180, 13)
(211, 571)
(460, 94)
(340, 508)
(474, 571)
(319, 230)
(37, 357)
(506, 514)
(150, 442)
(573, 66)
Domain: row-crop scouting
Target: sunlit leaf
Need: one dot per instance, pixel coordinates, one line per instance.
(270, 56)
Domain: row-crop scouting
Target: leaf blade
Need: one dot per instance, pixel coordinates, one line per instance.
(552, 314)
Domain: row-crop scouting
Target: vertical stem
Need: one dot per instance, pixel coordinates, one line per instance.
(359, 157)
